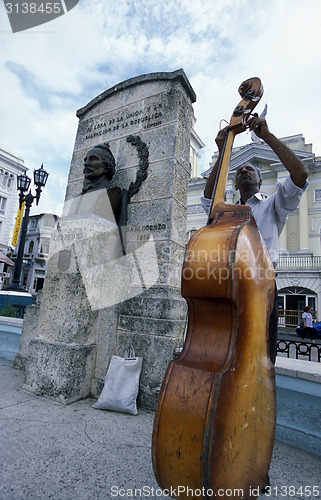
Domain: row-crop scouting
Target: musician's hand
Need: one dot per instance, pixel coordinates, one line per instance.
(220, 138)
(259, 126)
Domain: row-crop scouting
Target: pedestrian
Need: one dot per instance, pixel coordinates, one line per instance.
(308, 330)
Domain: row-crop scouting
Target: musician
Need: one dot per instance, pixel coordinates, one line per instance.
(270, 213)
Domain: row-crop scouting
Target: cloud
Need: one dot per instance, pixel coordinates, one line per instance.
(49, 72)
(282, 52)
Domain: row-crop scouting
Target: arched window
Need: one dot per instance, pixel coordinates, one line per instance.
(44, 247)
(10, 181)
(3, 202)
(5, 179)
(31, 245)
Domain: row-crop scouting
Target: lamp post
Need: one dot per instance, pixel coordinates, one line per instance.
(40, 177)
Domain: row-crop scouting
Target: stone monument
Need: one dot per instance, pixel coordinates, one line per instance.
(115, 261)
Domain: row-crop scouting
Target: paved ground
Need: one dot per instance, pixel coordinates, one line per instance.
(75, 452)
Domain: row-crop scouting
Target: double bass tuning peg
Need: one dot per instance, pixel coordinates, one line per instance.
(250, 95)
(238, 111)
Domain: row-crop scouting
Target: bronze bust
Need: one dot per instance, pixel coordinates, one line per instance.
(99, 169)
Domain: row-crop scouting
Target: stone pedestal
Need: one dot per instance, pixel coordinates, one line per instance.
(60, 370)
(138, 299)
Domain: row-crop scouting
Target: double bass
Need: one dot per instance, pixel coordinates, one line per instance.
(214, 427)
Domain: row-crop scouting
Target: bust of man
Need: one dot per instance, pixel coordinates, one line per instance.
(99, 169)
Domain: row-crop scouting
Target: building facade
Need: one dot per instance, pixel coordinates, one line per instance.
(10, 167)
(36, 251)
(196, 144)
(299, 267)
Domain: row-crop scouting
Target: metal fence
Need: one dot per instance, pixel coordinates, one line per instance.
(299, 350)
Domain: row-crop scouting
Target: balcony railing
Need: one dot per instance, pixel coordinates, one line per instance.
(289, 317)
(42, 255)
(300, 262)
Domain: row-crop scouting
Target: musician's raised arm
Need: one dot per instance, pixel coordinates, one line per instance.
(220, 139)
(298, 171)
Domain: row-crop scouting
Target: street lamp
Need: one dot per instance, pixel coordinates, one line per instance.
(40, 177)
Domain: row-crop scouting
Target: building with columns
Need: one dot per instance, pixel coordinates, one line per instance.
(299, 267)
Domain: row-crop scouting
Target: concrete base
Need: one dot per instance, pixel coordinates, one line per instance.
(154, 324)
(60, 371)
(298, 403)
(157, 352)
(10, 332)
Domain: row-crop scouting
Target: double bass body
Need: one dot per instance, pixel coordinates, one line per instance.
(215, 423)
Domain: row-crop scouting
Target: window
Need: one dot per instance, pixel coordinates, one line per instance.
(38, 284)
(31, 245)
(311, 302)
(4, 179)
(48, 220)
(281, 305)
(33, 224)
(7, 179)
(10, 181)
(44, 247)
(3, 202)
(317, 195)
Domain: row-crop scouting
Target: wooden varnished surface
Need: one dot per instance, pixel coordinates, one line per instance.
(215, 423)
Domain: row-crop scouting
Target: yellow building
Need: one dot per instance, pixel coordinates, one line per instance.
(299, 267)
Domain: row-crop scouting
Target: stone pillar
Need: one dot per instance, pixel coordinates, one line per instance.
(229, 194)
(144, 119)
(283, 240)
(304, 224)
(153, 320)
(283, 244)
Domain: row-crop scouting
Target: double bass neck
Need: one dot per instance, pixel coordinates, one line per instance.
(251, 91)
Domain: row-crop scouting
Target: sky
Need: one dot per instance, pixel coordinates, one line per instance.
(50, 71)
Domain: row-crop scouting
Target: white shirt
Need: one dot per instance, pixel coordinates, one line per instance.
(308, 319)
(271, 213)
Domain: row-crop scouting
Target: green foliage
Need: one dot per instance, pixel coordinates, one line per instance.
(9, 310)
